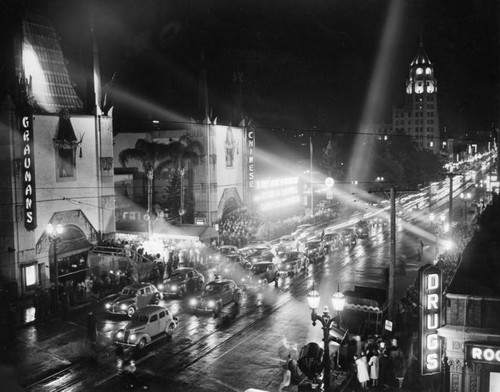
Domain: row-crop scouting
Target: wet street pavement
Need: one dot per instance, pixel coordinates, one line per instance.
(246, 347)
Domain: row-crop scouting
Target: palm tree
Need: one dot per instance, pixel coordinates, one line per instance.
(156, 157)
(184, 153)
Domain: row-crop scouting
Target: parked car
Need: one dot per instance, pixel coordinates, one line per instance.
(348, 237)
(292, 262)
(217, 293)
(133, 298)
(235, 271)
(258, 252)
(262, 273)
(228, 249)
(178, 283)
(287, 242)
(146, 326)
(362, 229)
(331, 242)
(301, 229)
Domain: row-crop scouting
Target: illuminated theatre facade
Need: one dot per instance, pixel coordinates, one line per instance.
(220, 187)
(56, 167)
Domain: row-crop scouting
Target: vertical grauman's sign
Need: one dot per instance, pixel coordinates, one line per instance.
(251, 155)
(430, 319)
(28, 173)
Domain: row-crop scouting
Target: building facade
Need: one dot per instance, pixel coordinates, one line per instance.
(471, 333)
(56, 167)
(419, 116)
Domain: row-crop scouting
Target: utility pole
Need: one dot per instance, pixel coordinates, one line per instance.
(392, 264)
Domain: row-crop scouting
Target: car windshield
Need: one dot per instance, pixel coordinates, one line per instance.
(312, 245)
(225, 251)
(258, 269)
(140, 317)
(128, 291)
(213, 288)
(178, 276)
(329, 237)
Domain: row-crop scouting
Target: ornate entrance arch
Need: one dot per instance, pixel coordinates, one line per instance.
(229, 202)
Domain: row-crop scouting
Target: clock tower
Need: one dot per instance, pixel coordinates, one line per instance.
(419, 116)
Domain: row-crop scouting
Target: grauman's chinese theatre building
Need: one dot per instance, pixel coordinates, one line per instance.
(56, 165)
(471, 333)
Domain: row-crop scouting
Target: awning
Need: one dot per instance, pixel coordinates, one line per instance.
(72, 242)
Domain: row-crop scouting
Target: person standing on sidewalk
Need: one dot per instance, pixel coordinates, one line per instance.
(12, 321)
(92, 327)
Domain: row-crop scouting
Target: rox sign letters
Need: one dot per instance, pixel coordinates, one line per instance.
(251, 152)
(482, 353)
(430, 319)
(28, 172)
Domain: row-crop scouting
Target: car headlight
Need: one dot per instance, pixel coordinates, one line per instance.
(107, 306)
(123, 307)
(211, 304)
(161, 287)
(133, 337)
(174, 287)
(193, 301)
(260, 281)
(120, 335)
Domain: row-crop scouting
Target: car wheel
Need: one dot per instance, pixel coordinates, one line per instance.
(156, 299)
(217, 310)
(237, 298)
(170, 329)
(142, 343)
(130, 311)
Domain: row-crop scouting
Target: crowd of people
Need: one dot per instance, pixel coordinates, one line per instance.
(374, 362)
(238, 229)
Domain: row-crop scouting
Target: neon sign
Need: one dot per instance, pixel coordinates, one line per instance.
(251, 152)
(482, 353)
(430, 319)
(28, 172)
(274, 194)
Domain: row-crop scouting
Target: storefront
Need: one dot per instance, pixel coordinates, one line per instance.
(471, 333)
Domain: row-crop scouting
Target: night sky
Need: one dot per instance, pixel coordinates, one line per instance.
(305, 63)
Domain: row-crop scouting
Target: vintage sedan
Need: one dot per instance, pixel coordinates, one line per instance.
(257, 252)
(133, 298)
(349, 237)
(362, 229)
(287, 242)
(292, 262)
(261, 274)
(331, 241)
(312, 248)
(216, 295)
(181, 282)
(228, 249)
(147, 325)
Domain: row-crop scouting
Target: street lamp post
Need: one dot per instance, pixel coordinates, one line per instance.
(54, 234)
(326, 321)
(150, 175)
(182, 211)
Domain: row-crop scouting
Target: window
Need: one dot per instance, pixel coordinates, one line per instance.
(66, 159)
(162, 314)
(30, 273)
(154, 317)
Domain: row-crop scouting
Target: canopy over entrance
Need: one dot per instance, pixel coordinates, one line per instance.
(72, 242)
